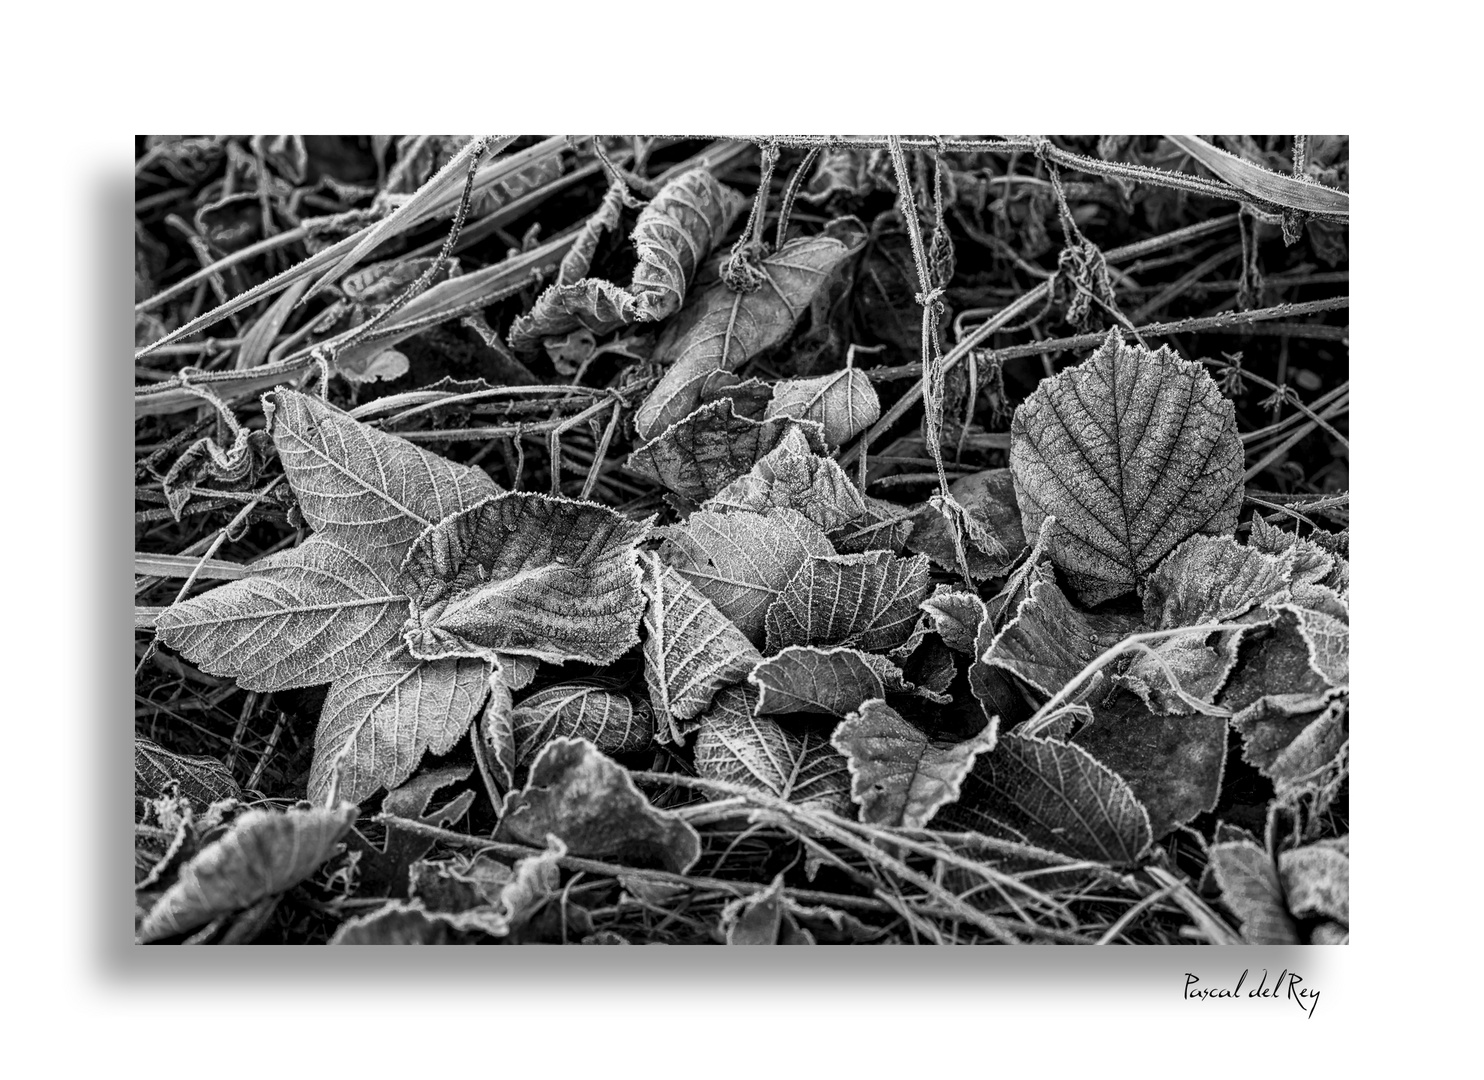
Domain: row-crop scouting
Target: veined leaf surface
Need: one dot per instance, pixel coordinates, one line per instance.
(834, 682)
(868, 601)
(795, 763)
(844, 402)
(793, 477)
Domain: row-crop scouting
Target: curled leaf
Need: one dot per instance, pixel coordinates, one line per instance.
(797, 763)
(793, 477)
(843, 402)
(867, 601)
(1133, 451)
(682, 224)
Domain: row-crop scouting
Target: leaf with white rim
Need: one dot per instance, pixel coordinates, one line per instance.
(868, 601)
(796, 763)
(833, 682)
(793, 477)
(844, 402)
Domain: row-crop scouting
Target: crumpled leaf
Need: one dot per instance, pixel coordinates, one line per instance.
(1291, 738)
(528, 574)
(613, 722)
(1320, 571)
(834, 682)
(1328, 641)
(378, 721)
(795, 763)
(867, 601)
(1133, 451)
(1274, 660)
(956, 616)
(1249, 887)
(885, 526)
(993, 535)
(1173, 764)
(590, 803)
(844, 402)
(900, 776)
(201, 779)
(791, 476)
(700, 455)
(265, 852)
(1316, 882)
(691, 650)
(401, 923)
(721, 329)
(590, 304)
(491, 898)
(1055, 795)
(383, 870)
(743, 561)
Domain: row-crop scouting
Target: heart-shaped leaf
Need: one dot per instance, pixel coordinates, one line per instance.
(792, 477)
(899, 775)
(797, 764)
(834, 682)
(1132, 451)
(529, 574)
(843, 402)
(867, 601)
(725, 328)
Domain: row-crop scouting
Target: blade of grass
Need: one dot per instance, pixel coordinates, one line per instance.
(1264, 184)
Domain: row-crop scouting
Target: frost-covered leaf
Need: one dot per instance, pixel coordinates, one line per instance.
(378, 721)
(485, 896)
(1328, 641)
(867, 601)
(900, 776)
(992, 534)
(1177, 673)
(691, 650)
(704, 452)
(722, 329)
(1249, 887)
(743, 561)
(614, 722)
(265, 852)
(494, 739)
(844, 402)
(590, 803)
(1173, 764)
(401, 923)
(1049, 641)
(834, 682)
(1132, 452)
(1316, 882)
(682, 224)
(382, 871)
(202, 779)
(319, 611)
(791, 476)
(1274, 660)
(795, 763)
(885, 526)
(1214, 579)
(378, 492)
(956, 616)
(529, 574)
(1054, 795)
(763, 918)
(590, 304)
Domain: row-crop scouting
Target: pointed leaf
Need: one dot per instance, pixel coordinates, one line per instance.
(613, 722)
(378, 721)
(900, 776)
(704, 452)
(763, 918)
(589, 802)
(494, 739)
(314, 613)
(834, 682)
(792, 477)
(590, 304)
(1054, 795)
(957, 616)
(797, 764)
(1249, 887)
(528, 574)
(200, 779)
(869, 601)
(742, 561)
(265, 852)
(844, 402)
(725, 328)
(675, 233)
(1263, 183)
(1132, 451)
(691, 650)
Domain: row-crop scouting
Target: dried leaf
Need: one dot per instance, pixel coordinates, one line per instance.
(899, 775)
(591, 304)
(589, 802)
(792, 477)
(200, 779)
(993, 535)
(1054, 795)
(868, 601)
(1249, 887)
(884, 526)
(725, 328)
(378, 721)
(1316, 882)
(763, 918)
(399, 923)
(1214, 579)
(383, 870)
(1132, 451)
(834, 682)
(691, 650)
(706, 451)
(797, 764)
(1262, 183)
(682, 224)
(957, 616)
(1328, 641)
(528, 574)
(843, 402)
(494, 740)
(742, 561)
(265, 852)
(1274, 660)
(613, 722)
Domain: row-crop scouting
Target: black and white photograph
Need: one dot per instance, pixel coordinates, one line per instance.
(761, 539)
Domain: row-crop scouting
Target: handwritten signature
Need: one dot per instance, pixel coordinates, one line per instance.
(1288, 986)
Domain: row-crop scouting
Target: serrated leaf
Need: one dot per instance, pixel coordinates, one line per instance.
(378, 721)
(1250, 889)
(867, 601)
(379, 491)
(956, 616)
(834, 682)
(691, 650)
(792, 477)
(1316, 882)
(590, 803)
(382, 871)
(844, 402)
(265, 852)
(613, 722)
(797, 764)
(1328, 641)
(725, 328)
(743, 561)
(1054, 795)
(1132, 451)
(590, 304)
(993, 535)
(1214, 579)
(701, 454)
(1173, 764)
(528, 574)
(1274, 660)
(900, 776)
(201, 779)
(315, 613)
